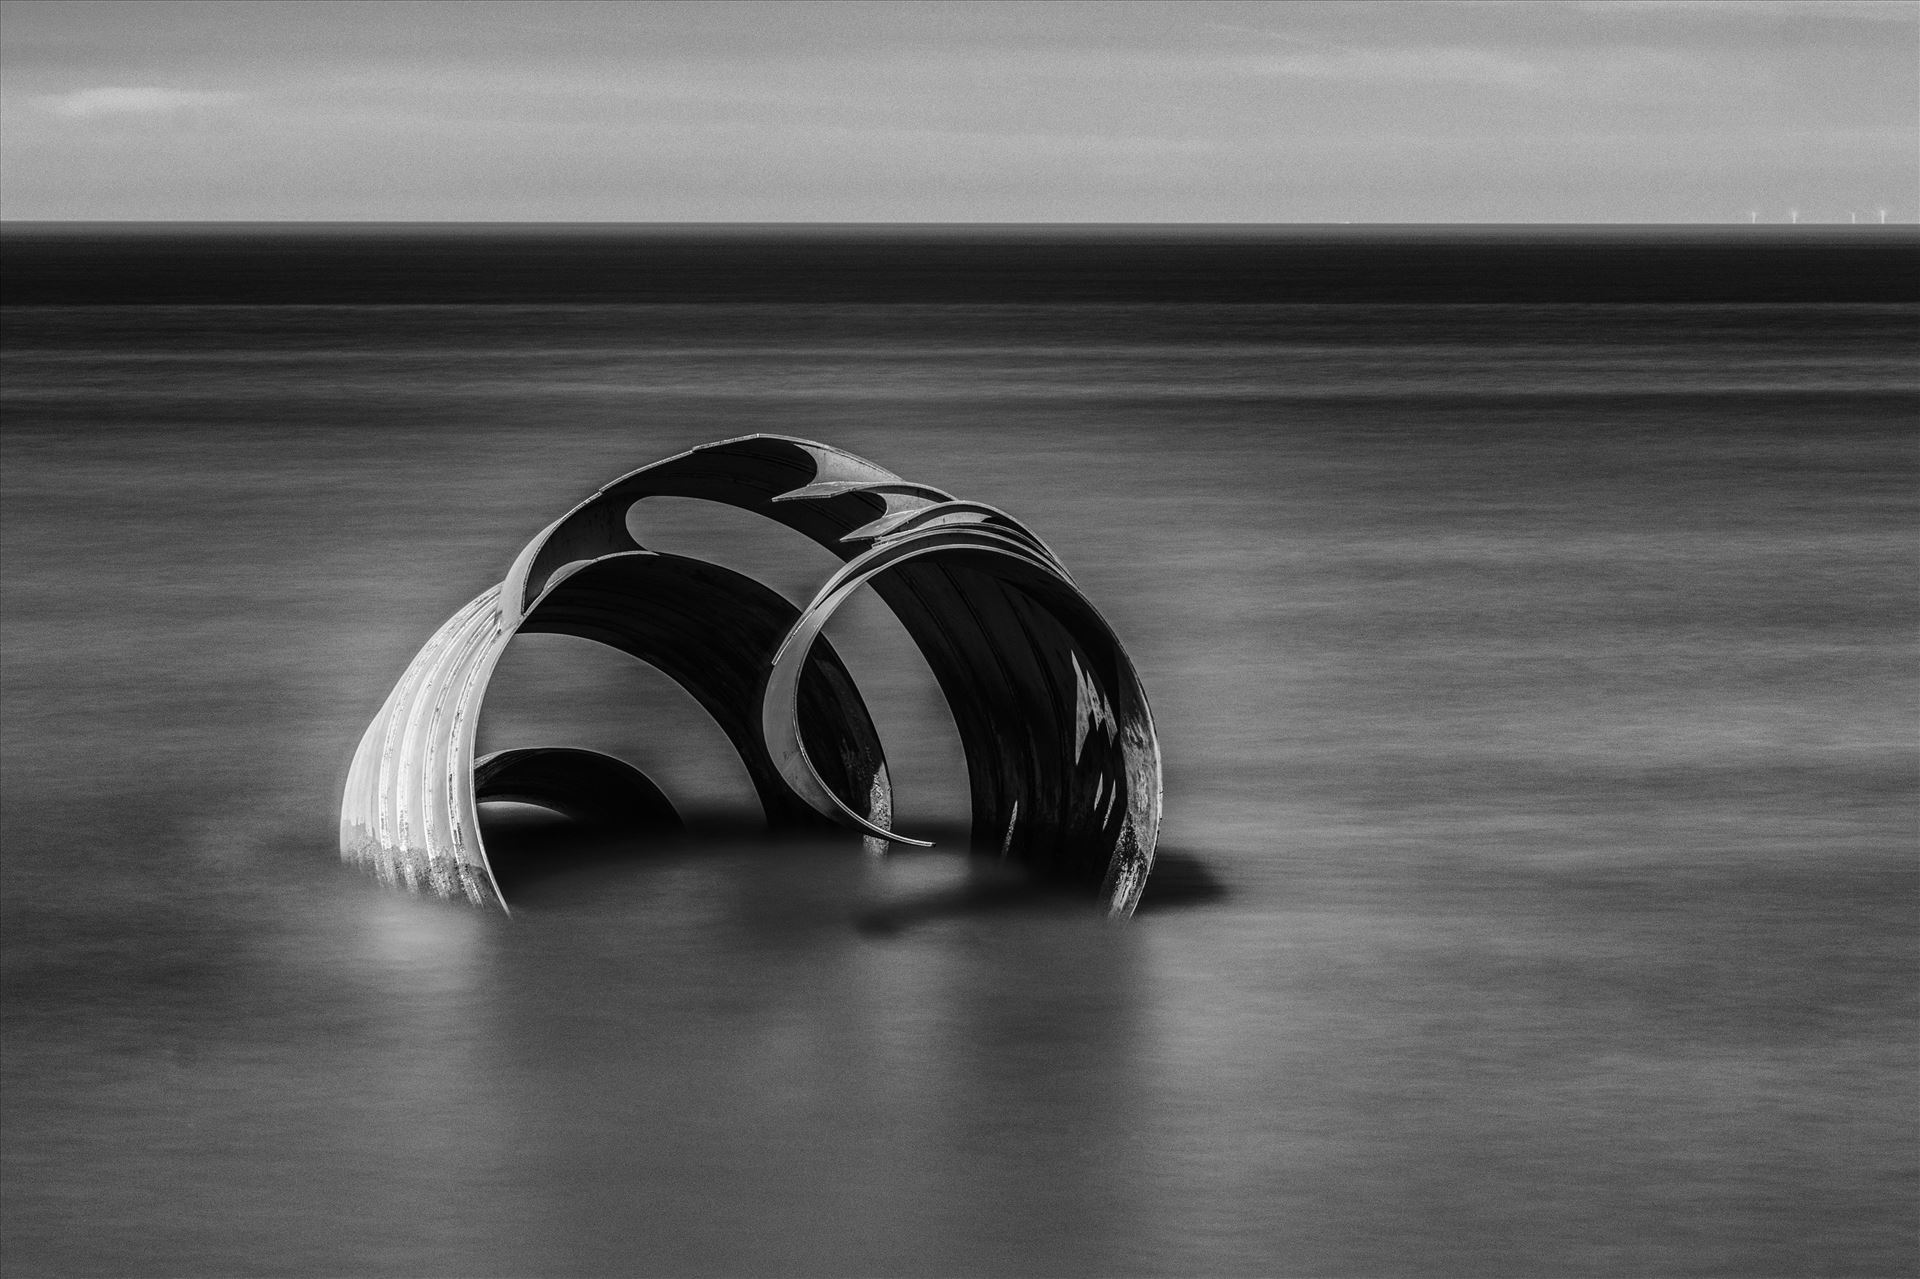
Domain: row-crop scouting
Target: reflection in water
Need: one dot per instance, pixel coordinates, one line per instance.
(752, 1084)
(436, 949)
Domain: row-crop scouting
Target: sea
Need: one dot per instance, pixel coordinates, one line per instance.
(1528, 616)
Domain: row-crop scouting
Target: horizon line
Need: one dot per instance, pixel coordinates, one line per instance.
(33, 225)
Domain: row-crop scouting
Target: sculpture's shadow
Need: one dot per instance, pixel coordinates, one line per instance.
(537, 855)
(1179, 880)
(542, 858)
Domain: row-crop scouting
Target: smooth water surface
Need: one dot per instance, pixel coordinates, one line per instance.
(1537, 891)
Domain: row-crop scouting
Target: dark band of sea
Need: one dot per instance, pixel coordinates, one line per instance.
(369, 263)
(1528, 618)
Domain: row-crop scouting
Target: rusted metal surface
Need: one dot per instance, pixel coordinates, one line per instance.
(1063, 765)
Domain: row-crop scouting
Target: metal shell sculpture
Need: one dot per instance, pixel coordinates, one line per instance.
(1062, 761)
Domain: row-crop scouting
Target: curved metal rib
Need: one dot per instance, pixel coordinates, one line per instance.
(753, 473)
(1060, 746)
(710, 629)
(408, 807)
(409, 812)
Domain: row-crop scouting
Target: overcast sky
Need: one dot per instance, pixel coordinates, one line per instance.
(790, 111)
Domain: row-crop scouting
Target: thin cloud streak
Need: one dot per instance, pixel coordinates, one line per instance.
(130, 100)
(950, 112)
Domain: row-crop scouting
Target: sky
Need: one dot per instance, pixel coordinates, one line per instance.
(1191, 111)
